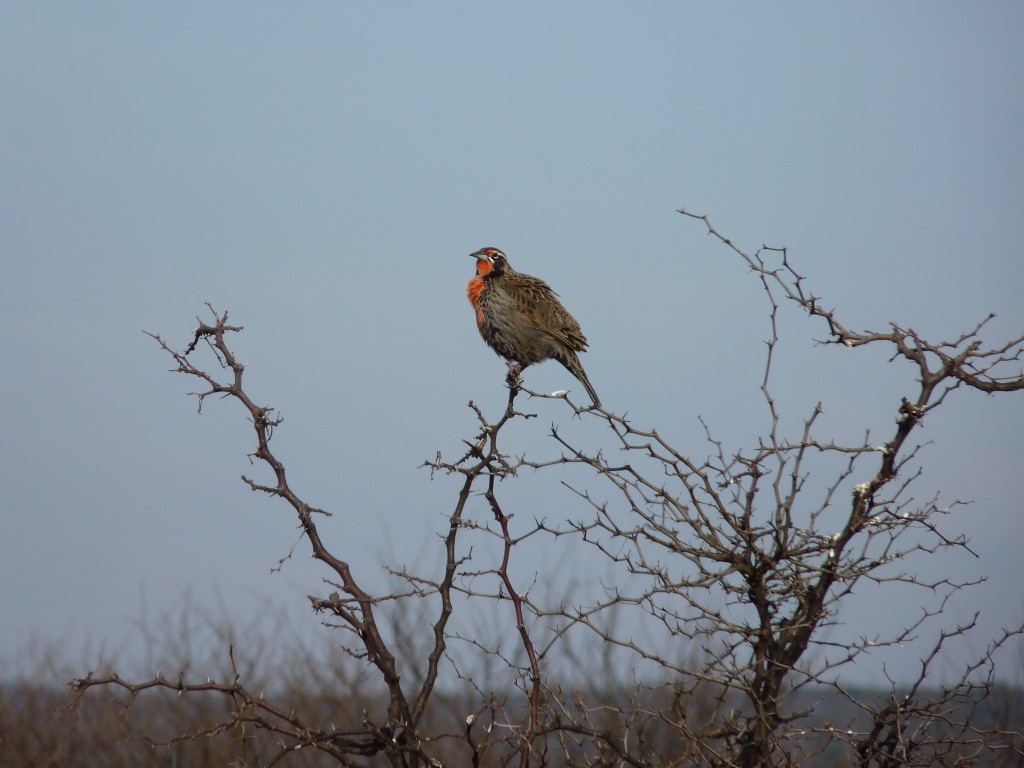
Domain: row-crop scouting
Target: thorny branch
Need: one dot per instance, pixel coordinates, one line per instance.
(732, 551)
(397, 736)
(485, 461)
(726, 574)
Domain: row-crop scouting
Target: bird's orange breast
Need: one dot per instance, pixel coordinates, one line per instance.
(474, 290)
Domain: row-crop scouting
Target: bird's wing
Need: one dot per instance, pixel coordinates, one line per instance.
(538, 306)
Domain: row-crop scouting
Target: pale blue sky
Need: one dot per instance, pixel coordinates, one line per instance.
(323, 170)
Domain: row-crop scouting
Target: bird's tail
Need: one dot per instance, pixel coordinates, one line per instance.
(573, 365)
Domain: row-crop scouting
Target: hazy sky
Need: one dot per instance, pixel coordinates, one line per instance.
(322, 171)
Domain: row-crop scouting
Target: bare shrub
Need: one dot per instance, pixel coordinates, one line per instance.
(707, 643)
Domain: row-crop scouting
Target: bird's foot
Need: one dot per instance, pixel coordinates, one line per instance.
(514, 378)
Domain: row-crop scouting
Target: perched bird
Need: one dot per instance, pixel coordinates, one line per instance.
(521, 318)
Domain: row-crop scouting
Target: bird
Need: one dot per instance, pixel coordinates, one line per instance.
(521, 318)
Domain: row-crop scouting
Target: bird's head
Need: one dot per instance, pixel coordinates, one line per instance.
(490, 262)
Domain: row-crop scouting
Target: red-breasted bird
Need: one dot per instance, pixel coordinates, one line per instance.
(521, 318)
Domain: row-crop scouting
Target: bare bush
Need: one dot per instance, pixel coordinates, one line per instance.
(711, 631)
(164, 727)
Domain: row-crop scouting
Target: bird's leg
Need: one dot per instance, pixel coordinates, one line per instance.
(515, 382)
(514, 378)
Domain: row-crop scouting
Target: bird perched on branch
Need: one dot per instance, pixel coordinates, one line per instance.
(521, 318)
